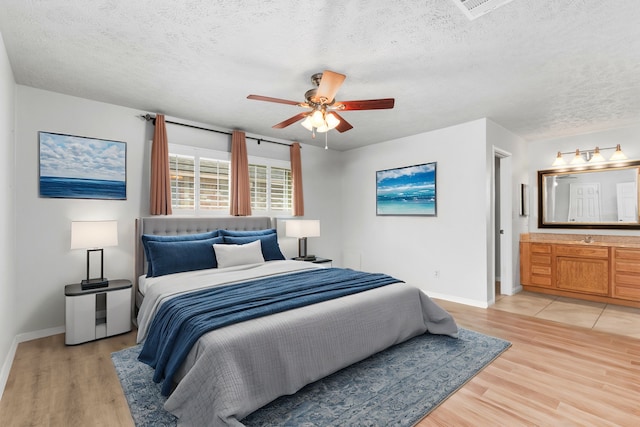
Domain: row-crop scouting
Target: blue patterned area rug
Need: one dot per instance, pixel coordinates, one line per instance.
(398, 386)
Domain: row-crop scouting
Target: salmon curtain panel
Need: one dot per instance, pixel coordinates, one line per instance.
(240, 187)
(296, 179)
(160, 178)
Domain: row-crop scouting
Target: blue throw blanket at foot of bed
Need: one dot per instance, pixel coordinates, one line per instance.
(181, 321)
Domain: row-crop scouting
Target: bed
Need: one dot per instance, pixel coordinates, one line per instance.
(229, 371)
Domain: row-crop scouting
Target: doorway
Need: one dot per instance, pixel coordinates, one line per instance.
(502, 254)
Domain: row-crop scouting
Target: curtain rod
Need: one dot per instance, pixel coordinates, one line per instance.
(148, 117)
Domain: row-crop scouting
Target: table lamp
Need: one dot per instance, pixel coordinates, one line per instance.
(303, 228)
(93, 236)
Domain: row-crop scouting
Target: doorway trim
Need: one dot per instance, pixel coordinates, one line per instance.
(506, 218)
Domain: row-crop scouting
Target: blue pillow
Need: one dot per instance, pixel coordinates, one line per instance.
(178, 238)
(178, 256)
(270, 248)
(247, 233)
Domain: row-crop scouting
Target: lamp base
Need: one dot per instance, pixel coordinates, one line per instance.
(305, 258)
(94, 283)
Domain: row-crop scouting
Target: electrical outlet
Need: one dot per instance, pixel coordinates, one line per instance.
(436, 274)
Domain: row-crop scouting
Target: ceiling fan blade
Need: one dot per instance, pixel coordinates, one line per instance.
(269, 99)
(367, 104)
(290, 121)
(344, 125)
(329, 85)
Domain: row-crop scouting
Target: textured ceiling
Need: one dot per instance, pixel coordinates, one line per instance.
(541, 69)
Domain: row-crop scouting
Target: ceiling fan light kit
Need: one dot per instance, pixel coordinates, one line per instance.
(323, 107)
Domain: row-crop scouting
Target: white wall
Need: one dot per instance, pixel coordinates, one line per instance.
(543, 152)
(8, 312)
(413, 248)
(43, 260)
(499, 138)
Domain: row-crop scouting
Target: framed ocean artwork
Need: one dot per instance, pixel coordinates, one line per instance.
(77, 167)
(409, 190)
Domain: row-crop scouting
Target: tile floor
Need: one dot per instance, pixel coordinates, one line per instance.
(602, 317)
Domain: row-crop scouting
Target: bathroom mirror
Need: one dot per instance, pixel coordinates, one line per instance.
(599, 196)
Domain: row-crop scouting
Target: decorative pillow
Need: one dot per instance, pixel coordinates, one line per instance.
(270, 248)
(178, 238)
(178, 256)
(230, 255)
(246, 233)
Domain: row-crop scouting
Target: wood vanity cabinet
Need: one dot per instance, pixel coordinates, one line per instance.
(625, 281)
(598, 273)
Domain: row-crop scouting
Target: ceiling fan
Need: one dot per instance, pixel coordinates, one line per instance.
(323, 108)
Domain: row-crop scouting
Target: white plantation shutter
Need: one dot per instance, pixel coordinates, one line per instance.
(258, 187)
(181, 170)
(280, 189)
(214, 184)
(200, 181)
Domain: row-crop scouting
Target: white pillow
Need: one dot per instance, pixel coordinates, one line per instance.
(230, 255)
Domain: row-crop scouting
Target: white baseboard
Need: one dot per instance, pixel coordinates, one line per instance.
(28, 336)
(6, 366)
(465, 301)
(513, 291)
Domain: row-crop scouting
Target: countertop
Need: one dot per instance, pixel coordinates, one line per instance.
(582, 239)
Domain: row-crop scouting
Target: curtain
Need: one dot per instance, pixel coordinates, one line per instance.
(240, 187)
(296, 179)
(160, 178)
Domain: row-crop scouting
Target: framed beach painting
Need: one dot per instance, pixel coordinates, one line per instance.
(77, 167)
(409, 190)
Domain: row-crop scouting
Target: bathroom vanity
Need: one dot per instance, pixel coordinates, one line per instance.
(591, 267)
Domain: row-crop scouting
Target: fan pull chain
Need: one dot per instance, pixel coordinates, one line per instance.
(326, 146)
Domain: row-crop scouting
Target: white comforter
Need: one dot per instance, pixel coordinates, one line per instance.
(235, 370)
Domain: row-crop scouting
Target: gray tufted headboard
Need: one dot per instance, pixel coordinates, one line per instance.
(172, 225)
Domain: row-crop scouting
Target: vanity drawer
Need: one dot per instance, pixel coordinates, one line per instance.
(541, 259)
(630, 254)
(539, 248)
(627, 286)
(541, 270)
(624, 266)
(626, 278)
(541, 280)
(582, 251)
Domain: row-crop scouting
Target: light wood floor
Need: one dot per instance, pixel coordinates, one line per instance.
(553, 375)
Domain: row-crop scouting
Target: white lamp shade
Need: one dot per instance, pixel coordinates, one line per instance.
(332, 121)
(302, 228)
(618, 155)
(317, 119)
(307, 123)
(559, 161)
(93, 234)
(578, 159)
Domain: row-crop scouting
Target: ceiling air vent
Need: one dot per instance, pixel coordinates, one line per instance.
(476, 8)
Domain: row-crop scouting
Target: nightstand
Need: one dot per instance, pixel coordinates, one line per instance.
(92, 314)
(317, 260)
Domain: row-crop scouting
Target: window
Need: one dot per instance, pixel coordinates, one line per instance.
(200, 182)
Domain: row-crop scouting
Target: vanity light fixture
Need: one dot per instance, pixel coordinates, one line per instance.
(591, 156)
